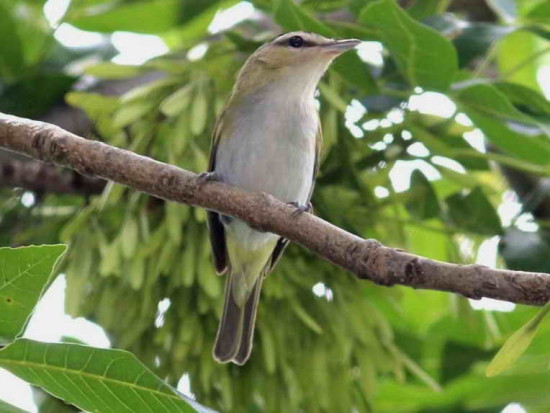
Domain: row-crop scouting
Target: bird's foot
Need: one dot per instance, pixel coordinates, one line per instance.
(300, 209)
(205, 177)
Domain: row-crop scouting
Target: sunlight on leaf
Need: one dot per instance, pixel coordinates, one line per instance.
(25, 273)
(8, 408)
(93, 379)
(426, 58)
(516, 345)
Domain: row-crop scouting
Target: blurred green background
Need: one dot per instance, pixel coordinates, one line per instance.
(436, 141)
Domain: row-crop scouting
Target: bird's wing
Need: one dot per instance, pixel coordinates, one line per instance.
(283, 242)
(316, 164)
(215, 226)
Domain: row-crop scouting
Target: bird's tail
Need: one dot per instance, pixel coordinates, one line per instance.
(236, 330)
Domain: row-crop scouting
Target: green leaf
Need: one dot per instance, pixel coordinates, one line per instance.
(539, 13)
(525, 98)
(306, 318)
(333, 97)
(8, 408)
(94, 380)
(424, 57)
(94, 104)
(174, 221)
(476, 39)
(110, 258)
(357, 5)
(473, 212)
(516, 60)
(150, 90)
(33, 30)
(292, 16)
(26, 271)
(523, 250)
(422, 9)
(107, 70)
(44, 90)
(422, 203)
(432, 244)
(207, 279)
(525, 6)
(488, 107)
(139, 16)
(534, 149)
(137, 272)
(242, 43)
(11, 52)
(268, 347)
(131, 112)
(75, 224)
(445, 24)
(49, 404)
(488, 100)
(464, 181)
(516, 345)
(458, 359)
(356, 72)
(197, 26)
(176, 103)
(454, 147)
(199, 112)
(129, 237)
(190, 255)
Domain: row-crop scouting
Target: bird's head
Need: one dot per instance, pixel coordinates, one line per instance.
(294, 58)
(301, 49)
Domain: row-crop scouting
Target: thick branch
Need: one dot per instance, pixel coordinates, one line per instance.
(42, 178)
(367, 259)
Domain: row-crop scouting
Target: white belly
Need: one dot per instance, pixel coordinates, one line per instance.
(271, 149)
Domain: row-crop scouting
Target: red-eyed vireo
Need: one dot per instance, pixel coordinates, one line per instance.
(267, 139)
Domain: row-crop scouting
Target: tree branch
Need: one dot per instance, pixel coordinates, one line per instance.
(42, 178)
(367, 259)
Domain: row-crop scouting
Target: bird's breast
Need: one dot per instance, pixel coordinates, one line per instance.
(270, 148)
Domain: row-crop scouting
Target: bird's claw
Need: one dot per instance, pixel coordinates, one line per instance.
(205, 177)
(300, 209)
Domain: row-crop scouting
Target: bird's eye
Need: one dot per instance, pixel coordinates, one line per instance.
(296, 41)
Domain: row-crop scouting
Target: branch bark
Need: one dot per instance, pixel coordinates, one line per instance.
(42, 178)
(366, 259)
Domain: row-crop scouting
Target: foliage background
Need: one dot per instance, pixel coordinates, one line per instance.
(352, 346)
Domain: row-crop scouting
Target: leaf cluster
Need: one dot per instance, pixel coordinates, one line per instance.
(352, 346)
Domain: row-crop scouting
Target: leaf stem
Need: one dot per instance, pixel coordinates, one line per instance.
(524, 63)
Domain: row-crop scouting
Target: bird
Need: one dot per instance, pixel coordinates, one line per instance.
(266, 139)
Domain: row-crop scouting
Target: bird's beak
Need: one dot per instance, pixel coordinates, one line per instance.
(340, 46)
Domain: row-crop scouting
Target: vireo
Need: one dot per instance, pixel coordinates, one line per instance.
(267, 139)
